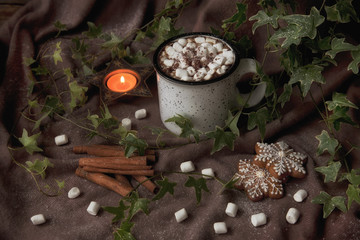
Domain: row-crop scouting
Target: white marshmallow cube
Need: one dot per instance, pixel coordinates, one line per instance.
(191, 71)
(187, 166)
(199, 76)
(168, 62)
(229, 61)
(181, 215)
(300, 195)
(220, 71)
(191, 45)
(182, 41)
(206, 45)
(213, 65)
(228, 54)
(292, 215)
(38, 219)
(170, 50)
(61, 140)
(219, 46)
(219, 59)
(177, 47)
(181, 73)
(199, 39)
(126, 123)
(212, 51)
(231, 209)
(201, 51)
(209, 172)
(74, 192)
(258, 219)
(220, 227)
(93, 208)
(140, 114)
(210, 40)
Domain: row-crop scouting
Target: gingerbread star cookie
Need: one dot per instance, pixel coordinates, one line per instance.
(280, 160)
(257, 182)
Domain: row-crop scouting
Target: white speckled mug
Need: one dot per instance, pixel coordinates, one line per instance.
(205, 103)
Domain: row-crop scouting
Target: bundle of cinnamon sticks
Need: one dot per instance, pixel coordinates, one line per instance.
(111, 161)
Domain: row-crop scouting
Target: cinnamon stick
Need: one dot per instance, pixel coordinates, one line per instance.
(148, 172)
(147, 183)
(112, 162)
(123, 181)
(105, 181)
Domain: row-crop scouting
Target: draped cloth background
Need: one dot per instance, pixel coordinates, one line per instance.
(32, 28)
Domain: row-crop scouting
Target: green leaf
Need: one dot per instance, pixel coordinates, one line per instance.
(232, 122)
(285, 95)
(339, 100)
(306, 75)
(330, 172)
(109, 121)
(124, 232)
(68, 74)
(57, 53)
(199, 185)
(38, 121)
(165, 187)
(221, 139)
(353, 177)
(329, 203)
(39, 167)
(342, 12)
(60, 184)
(93, 31)
(29, 142)
(137, 58)
(339, 116)
(60, 27)
(52, 105)
(133, 143)
(262, 18)
(353, 193)
(121, 131)
(28, 61)
(95, 120)
(77, 93)
(118, 211)
(239, 17)
(137, 204)
(326, 143)
(339, 45)
(40, 71)
(229, 185)
(259, 119)
(186, 127)
(354, 65)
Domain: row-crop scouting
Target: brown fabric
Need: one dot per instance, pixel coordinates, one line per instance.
(31, 29)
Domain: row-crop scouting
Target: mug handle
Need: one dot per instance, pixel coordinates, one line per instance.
(248, 65)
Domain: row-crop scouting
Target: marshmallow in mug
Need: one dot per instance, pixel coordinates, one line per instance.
(196, 58)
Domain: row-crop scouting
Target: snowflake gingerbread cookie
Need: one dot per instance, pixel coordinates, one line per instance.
(257, 182)
(280, 160)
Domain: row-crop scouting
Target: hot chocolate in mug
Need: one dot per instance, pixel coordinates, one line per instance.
(203, 99)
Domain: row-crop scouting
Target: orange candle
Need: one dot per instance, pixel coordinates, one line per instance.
(121, 80)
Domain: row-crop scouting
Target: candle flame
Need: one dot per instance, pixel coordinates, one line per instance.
(122, 79)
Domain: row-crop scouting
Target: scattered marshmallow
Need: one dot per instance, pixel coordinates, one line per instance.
(181, 215)
(61, 140)
(140, 114)
(300, 195)
(199, 39)
(258, 219)
(187, 166)
(38, 219)
(93, 208)
(292, 215)
(74, 192)
(209, 172)
(220, 227)
(182, 41)
(126, 123)
(231, 209)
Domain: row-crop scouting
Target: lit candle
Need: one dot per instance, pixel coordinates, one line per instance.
(122, 80)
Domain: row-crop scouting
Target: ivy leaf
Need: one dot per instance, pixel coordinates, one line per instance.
(38, 167)
(118, 211)
(199, 185)
(124, 232)
(137, 58)
(262, 18)
(60, 184)
(341, 12)
(29, 142)
(232, 122)
(259, 119)
(285, 95)
(57, 53)
(329, 203)
(306, 75)
(354, 65)
(60, 27)
(38, 121)
(239, 17)
(133, 143)
(186, 127)
(121, 131)
(353, 177)
(77, 93)
(339, 116)
(339, 100)
(326, 143)
(298, 27)
(28, 61)
(229, 185)
(331, 171)
(52, 105)
(221, 139)
(165, 187)
(339, 45)
(68, 74)
(93, 30)
(95, 120)
(40, 71)
(137, 204)
(109, 121)
(353, 193)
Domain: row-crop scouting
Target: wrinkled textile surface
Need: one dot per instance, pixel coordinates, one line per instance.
(31, 29)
